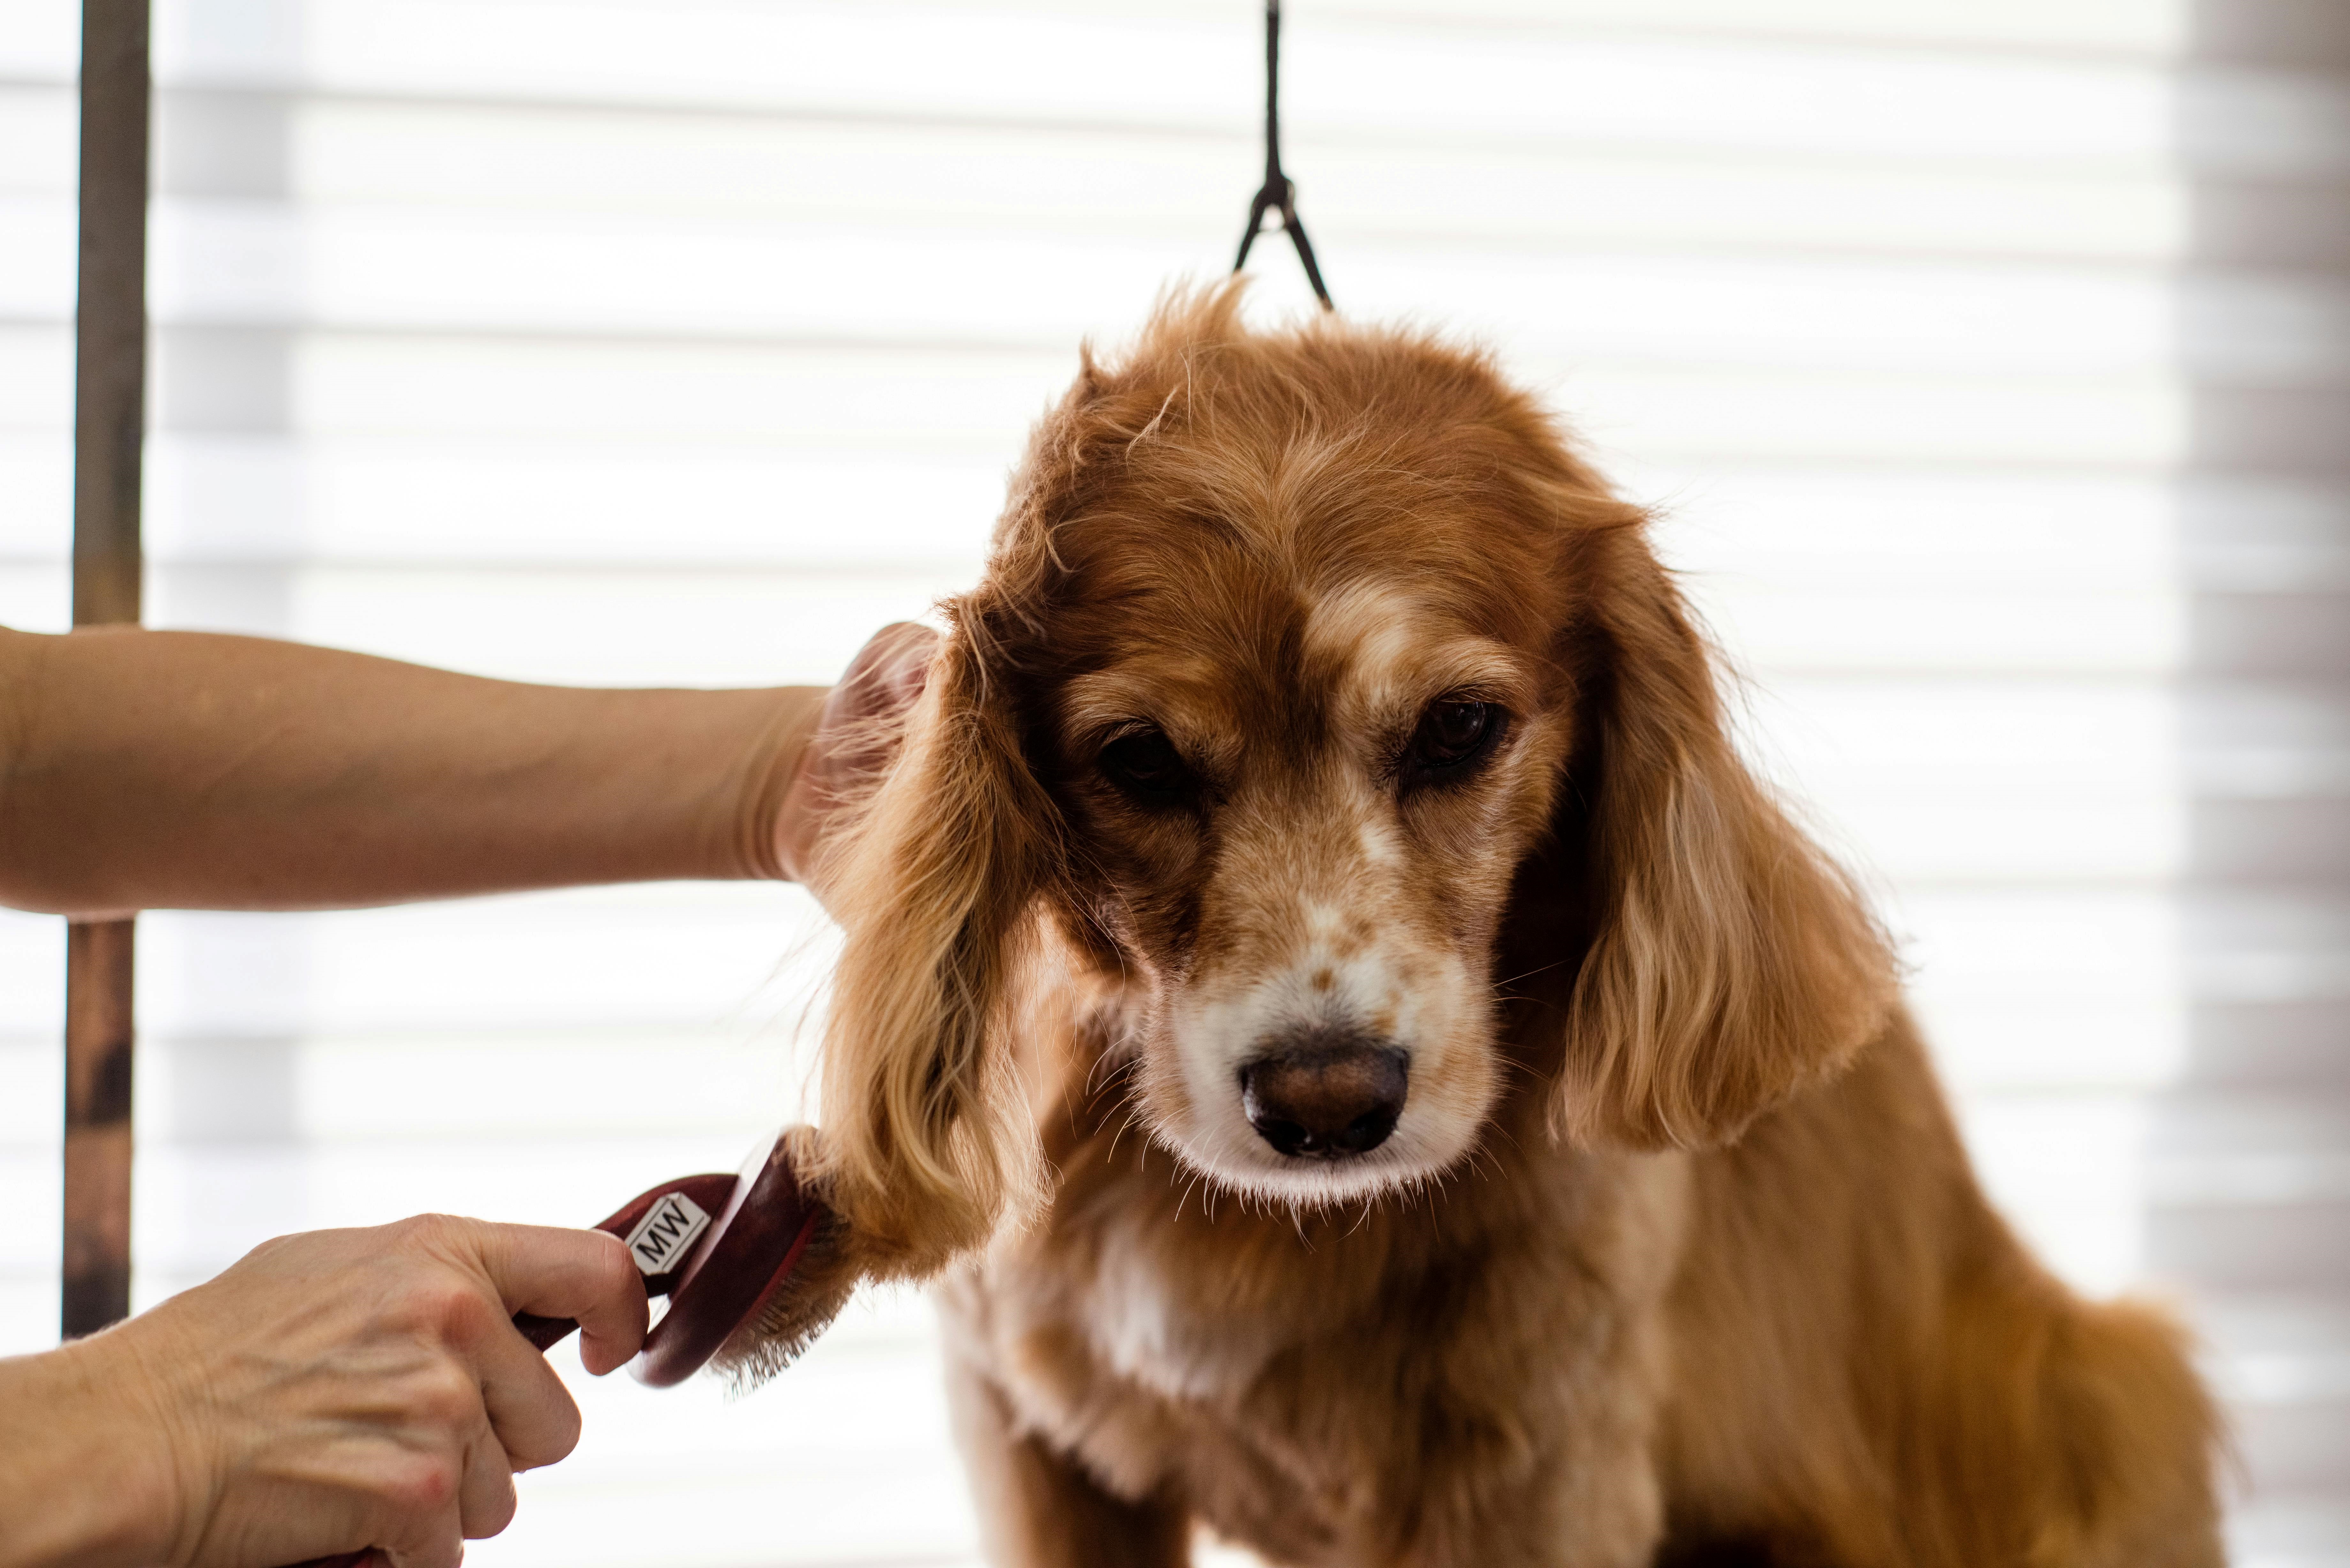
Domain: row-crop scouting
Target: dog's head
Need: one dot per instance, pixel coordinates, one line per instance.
(1313, 687)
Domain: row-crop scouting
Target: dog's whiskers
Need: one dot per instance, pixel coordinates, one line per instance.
(1538, 969)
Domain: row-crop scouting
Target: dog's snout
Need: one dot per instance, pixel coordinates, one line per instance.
(1326, 1101)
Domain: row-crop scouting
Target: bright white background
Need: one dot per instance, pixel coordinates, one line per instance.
(1986, 356)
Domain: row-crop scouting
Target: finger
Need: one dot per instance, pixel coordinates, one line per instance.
(582, 1274)
(912, 670)
(486, 1498)
(889, 672)
(856, 732)
(427, 1536)
(532, 1414)
(443, 1546)
(860, 726)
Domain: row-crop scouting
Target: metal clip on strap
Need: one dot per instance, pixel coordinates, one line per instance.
(1278, 195)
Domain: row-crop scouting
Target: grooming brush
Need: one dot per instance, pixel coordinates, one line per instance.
(752, 1266)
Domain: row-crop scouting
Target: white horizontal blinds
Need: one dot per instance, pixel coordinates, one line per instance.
(1986, 358)
(2248, 1175)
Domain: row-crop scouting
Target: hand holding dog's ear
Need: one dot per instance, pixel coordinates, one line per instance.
(856, 734)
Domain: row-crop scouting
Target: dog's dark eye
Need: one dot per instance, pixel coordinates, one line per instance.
(1451, 732)
(1146, 765)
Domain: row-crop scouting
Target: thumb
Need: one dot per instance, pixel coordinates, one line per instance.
(583, 1274)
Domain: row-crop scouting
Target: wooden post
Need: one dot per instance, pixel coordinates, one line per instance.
(96, 1285)
(109, 434)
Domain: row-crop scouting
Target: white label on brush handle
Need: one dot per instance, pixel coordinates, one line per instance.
(667, 1233)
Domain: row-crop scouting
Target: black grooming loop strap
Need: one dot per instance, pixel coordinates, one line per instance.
(1278, 195)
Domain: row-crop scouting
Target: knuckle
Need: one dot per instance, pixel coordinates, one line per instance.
(447, 1310)
(444, 1399)
(465, 1314)
(421, 1487)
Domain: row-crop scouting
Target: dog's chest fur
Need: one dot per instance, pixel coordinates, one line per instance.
(1305, 1384)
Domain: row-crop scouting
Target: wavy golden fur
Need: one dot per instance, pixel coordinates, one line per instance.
(1321, 706)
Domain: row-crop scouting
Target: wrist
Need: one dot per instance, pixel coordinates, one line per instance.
(88, 1473)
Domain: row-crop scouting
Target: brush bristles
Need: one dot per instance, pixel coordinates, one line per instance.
(792, 1319)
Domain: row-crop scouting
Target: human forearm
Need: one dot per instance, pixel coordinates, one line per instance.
(85, 1480)
(142, 769)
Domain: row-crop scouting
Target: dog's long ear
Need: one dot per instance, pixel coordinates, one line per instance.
(1730, 962)
(935, 886)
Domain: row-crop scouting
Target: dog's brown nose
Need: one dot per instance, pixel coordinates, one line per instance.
(1325, 1103)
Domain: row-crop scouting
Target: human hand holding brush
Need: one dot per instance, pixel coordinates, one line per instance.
(330, 1387)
